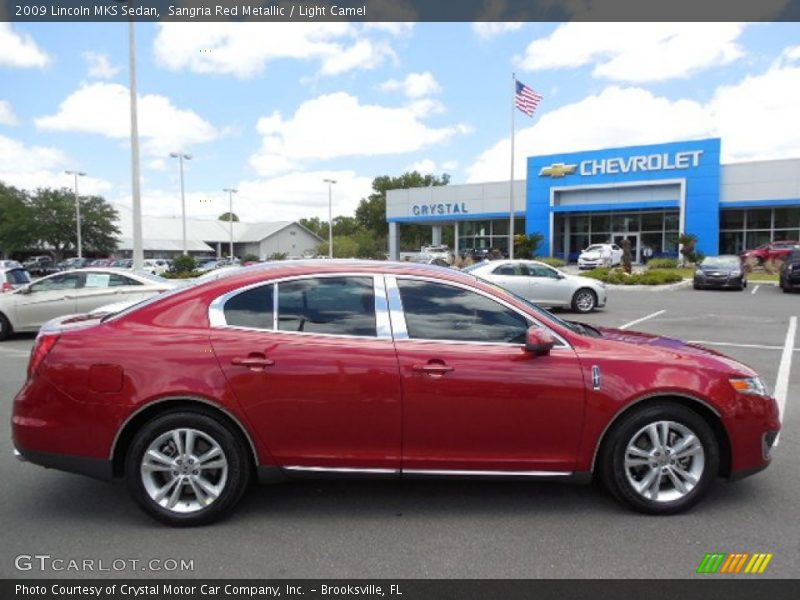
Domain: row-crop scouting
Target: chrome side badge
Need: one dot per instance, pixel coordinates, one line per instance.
(596, 377)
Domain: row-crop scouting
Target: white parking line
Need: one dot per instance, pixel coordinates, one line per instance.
(755, 289)
(655, 314)
(732, 345)
(782, 383)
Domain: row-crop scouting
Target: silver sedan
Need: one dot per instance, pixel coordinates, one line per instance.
(543, 284)
(73, 292)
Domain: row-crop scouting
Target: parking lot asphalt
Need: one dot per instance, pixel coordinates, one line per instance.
(443, 529)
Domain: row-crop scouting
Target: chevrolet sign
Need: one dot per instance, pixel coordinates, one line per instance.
(630, 164)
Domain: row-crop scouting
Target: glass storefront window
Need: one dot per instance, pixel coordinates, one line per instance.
(625, 222)
(654, 241)
(671, 221)
(601, 223)
(786, 234)
(786, 218)
(500, 227)
(759, 218)
(653, 221)
(731, 242)
(579, 224)
(731, 219)
(757, 238)
(600, 238)
(578, 242)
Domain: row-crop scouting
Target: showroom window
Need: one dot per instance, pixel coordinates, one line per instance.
(745, 229)
(486, 234)
(330, 305)
(435, 311)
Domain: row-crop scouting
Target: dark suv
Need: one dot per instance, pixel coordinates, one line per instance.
(790, 272)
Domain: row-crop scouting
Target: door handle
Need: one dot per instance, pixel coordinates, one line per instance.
(254, 362)
(437, 369)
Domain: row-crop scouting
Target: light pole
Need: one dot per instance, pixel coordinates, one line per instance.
(138, 247)
(330, 183)
(181, 157)
(77, 174)
(231, 192)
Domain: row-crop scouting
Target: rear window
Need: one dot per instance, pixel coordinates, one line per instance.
(18, 276)
(252, 308)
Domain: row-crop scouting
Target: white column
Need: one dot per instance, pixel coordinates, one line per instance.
(455, 238)
(394, 239)
(436, 235)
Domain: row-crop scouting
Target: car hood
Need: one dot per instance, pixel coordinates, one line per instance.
(725, 269)
(672, 348)
(590, 255)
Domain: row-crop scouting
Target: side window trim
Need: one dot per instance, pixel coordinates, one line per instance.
(398, 315)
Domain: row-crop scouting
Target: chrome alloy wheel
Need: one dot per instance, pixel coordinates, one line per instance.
(664, 461)
(184, 470)
(584, 301)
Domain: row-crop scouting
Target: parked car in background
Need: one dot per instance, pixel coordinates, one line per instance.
(719, 272)
(71, 292)
(190, 394)
(10, 264)
(789, 278)
(771, 251)
(424, 259)
(122, 263)
(72, 263)
(100, 262)
(476, 254)
(543, 284)
(13, 278)
(39, 266)
(155, 266)
(441, 251)
(592, 257)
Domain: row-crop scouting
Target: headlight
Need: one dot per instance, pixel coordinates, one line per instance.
(699, 273)
(735, 273)
(749, 385)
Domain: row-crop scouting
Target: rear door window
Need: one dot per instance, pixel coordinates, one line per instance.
(329, 305)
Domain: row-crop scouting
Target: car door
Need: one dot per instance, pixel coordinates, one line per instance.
(312, 363)
(616, 254)
(46, 299)
(549, 287)
(513, 277)
(473, 399)
(99, 288)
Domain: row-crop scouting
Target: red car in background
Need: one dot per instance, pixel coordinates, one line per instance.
(772, 251)
(349, 368)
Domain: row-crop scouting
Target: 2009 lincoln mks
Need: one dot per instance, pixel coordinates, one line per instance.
(369, 368)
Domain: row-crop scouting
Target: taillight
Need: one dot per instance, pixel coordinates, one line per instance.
(7, 287)
(44, 343)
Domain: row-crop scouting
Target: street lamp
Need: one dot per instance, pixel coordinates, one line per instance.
(330, 183)
(138, 245)
(231, 192)
(181, 157)
(77, 174)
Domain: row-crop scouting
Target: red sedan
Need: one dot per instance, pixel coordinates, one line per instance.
(389, 370)
(771, 251)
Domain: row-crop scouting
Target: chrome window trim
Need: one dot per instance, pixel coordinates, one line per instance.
(216, 309)
(383, 323)
(535, 322)
(304, 469)
(468, 473)
(396, 314)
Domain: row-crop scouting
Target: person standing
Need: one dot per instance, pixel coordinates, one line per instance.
(647, 254)
(605, 254)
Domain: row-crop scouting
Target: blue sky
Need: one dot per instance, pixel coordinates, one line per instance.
(274, 109)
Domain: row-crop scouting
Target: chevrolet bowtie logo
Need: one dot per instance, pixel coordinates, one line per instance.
(557, 170)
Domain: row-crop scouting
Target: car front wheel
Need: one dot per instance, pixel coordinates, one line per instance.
(661, 459)
(584, 301)
(186, 468)
(5, 327)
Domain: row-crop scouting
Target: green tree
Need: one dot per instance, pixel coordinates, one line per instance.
(344, 226)
(17, 225)
(228, 216)
(53, 212)
(525, 246)
(183, 264)
(316, 226)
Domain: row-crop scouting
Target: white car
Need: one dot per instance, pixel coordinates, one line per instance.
(155, 266)
(542, 284)
(73, 292)
(593, 256)
(440, 251)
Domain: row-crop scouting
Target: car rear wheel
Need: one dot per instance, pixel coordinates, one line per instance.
(661, 459)
(186, 468)
(5, 327)
(584, 301)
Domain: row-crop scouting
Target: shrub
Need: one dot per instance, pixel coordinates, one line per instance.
(619, 277)
(183, 264)
(250, 258)
(277, 256)
(662, 263)
(553, 262)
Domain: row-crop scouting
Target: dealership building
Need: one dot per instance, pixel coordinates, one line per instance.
(647, 194)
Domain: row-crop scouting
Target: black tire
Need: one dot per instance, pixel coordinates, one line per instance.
(233, 483)
(630, 427)
(695, 286)
(584, 301)
(5, 328)
(744, 284)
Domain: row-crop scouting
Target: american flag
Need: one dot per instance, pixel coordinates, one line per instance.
(526, 99)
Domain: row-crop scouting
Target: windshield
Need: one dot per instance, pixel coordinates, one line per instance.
(718, 262)
(151, 277)
(594, 248)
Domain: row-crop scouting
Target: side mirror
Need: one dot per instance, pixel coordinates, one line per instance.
(538, 341)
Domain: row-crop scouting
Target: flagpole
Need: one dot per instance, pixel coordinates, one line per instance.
(511, 181)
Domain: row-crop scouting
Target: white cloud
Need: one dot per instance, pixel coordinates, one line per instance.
(7, 116)
(415, 85)
(756, 119)
(30, 167)
(103, 109)
(424, 166)
(636, 52)
(489, 30)
(20, 50)
(396, 28)
(100, 66)
(338, 125)
(245, 49)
